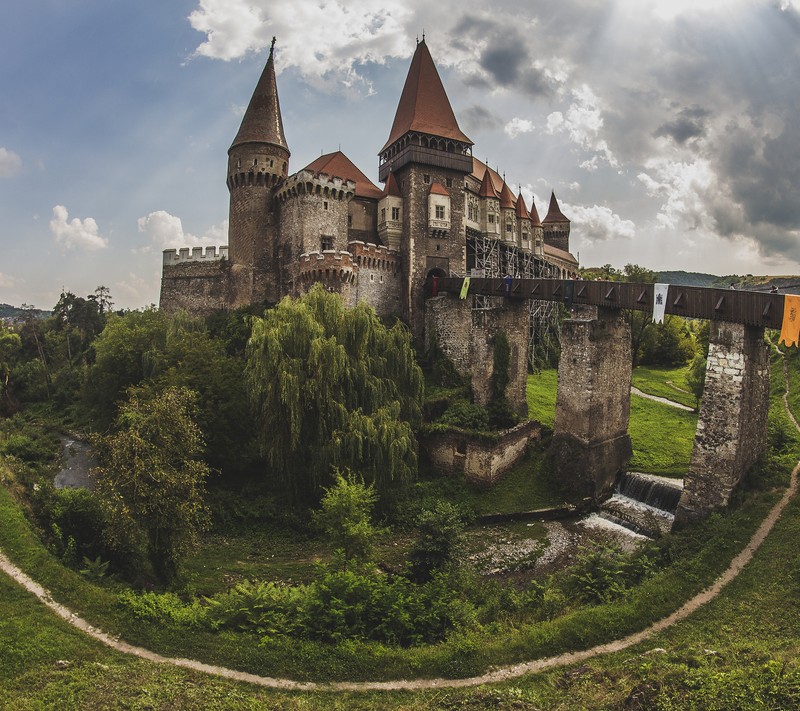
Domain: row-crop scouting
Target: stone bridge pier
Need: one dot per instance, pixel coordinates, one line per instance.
(591, 444)
(732, 427)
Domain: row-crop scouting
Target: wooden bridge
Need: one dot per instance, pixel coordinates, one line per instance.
(590, 442)
(748, 307)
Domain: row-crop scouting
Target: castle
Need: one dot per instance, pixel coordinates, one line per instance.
(441, 211)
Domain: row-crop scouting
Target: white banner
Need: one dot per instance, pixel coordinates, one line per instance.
(659, 302)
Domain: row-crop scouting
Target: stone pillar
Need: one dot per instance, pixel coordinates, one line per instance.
(590, 441)
(466, 337)
(732, 427)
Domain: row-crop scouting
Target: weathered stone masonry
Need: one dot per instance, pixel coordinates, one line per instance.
(591, 444)
(732, 427)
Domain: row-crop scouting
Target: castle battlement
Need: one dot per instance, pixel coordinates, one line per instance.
(328, 265)
(375, 256)
(194, 254)
(320, 184)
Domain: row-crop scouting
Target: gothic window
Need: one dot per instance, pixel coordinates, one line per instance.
(508, 227)
(426, 178)
(440, 212)
(349, 220)
(326, 242)
(395, 213)
(383, 214)
(449, 182)
(491, 218)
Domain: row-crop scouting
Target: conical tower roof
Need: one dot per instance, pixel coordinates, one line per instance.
(506, 197)
(522, 210)
(535, 214)
(391, 188)
(424, 106)
(262, 121)
(487, 186)
(554, 214)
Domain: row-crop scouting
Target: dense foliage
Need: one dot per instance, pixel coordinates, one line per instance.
(151, 479)
(333, 387)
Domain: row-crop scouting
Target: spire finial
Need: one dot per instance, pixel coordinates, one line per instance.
(272, 46)
(418, 40)
(423, 34)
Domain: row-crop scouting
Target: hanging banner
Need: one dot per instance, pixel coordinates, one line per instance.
(465, 288)
(790, 330)
(659, 302)
(507, 284)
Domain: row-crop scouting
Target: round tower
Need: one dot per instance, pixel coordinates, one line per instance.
(258, 160)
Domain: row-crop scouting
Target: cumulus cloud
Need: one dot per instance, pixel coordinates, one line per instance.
(598, 223)
(688, 123)
(582, 123)
(478, 117)
(10, 163)
(76, 233)
(136, 288)
(320, 39)
(165, 231)
(516, 126)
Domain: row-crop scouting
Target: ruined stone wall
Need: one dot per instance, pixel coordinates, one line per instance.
(466, 337)
(732, 427)
(199, 287)
(479, 461)
(590, 439)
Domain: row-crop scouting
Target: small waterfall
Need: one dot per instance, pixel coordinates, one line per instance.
(644, 505)
(656, 491)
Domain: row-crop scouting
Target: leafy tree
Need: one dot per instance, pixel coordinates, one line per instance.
(696, 377)
(10, 344)
(129, 349)
(668, 343)
(500, 413)
(151, 479)
(438, 539)
(345, 515)
(333, 387)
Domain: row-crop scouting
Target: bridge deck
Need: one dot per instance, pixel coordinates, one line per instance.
(749, 307)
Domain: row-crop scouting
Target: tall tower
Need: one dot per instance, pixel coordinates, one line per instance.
(258, 160)
(430, 158)
(556, 226)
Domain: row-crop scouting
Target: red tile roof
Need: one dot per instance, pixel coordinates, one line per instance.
(424, 106)
(439, 189)
(391, 187)
(262, 121)
(506, 197)
(522, 210)
(559, 254)
(487, 186)
(535, 215)
(554, 214)
(340, 166)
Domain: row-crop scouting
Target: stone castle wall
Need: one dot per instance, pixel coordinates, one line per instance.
(379, 280)
(195, 280)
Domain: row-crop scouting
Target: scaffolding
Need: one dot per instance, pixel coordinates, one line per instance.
(488, 257)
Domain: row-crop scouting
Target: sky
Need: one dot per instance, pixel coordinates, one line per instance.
(668, 129)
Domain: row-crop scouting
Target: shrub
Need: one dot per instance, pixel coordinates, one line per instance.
(161, 608)
(438, 538)
(466, 416)
(604, 573)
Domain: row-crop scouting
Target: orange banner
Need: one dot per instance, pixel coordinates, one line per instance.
(790, 331)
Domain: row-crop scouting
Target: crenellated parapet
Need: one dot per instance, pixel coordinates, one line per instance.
(374, 256)
(318, 184)
(329, 266)
(194, 254)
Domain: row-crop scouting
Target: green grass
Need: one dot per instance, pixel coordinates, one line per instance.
(669, 383)
(662, 435)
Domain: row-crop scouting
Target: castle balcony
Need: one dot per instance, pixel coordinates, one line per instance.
(412, 153)
(330, 266)
(194, 254)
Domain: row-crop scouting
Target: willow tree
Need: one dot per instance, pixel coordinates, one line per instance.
(333, 387)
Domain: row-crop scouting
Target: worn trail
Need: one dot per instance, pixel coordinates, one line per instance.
(499, 674)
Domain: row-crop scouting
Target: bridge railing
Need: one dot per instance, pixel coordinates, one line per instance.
(749, 307)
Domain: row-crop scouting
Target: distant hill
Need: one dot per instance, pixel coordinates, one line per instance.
(7, 311)
(680, 278)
